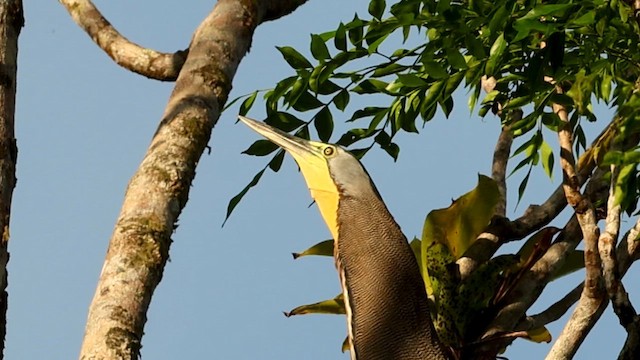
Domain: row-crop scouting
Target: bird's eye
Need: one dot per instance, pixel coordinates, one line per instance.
(328, 151)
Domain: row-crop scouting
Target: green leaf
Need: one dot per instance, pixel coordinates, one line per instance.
(340, 39)
(323, 248)
(523, 185)
(333, 306)
(416, 248)
(518, 102)
(284, 121)
(306, 101)
(547, 9)
(495, 54)
(620, 191)
(435, 70)
(355, 32)
(366, 112)
(294, 58)
(276, 162)
(319, 48)
(539, 335)
(370, 86)
(547, 158)
(459, 225)
(373, 46)
(376, 8)
(586, 19)
(388, 70)
(452, 84)
(341, 100)
(261, 148)
(298, 88)
(282, 86)
(527, 26)
(247, 104)
(475, 47)
(456, 60)
(236, 199)
(323, 122)
(411, 80)
(614, 157)
(435, 258)
(433, 94)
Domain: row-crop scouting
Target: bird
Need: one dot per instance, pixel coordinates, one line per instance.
(386, 303)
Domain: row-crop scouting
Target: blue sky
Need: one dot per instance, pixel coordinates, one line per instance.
(83, 125)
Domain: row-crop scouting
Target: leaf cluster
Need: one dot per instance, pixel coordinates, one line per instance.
(413, 55)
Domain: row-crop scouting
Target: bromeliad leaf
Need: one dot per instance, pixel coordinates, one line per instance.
(332, 306)
(539, 335)
(459, 225)
(323, 248)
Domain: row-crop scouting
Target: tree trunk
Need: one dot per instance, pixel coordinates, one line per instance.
(11, 21)
(157, 193)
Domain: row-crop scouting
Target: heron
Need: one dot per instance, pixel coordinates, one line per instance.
(385, 299)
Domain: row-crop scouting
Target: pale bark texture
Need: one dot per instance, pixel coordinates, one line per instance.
(131, 56)
(157, 193)
(11, 21)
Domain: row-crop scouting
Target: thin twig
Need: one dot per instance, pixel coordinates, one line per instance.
(553, 312)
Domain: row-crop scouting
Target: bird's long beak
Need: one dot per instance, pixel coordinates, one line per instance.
(302, 150)
(314, 166)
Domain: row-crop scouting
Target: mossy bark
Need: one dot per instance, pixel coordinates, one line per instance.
(157, 193)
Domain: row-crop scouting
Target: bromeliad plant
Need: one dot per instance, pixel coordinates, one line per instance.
(462, 307)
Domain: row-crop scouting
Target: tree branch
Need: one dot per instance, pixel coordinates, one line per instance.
(622, 306)
(553, 312)
(499, 166)
(629, 248)
(11, 22)
(534, 218)
(584, 316)
(158, 191)
(147, 62)
(631, 346)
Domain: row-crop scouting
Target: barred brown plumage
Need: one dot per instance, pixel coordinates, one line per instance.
(386, 302)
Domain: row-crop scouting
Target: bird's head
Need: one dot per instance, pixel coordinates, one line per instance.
(329, 170)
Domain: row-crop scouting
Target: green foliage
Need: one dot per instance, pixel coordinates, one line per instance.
(418, 53)
(411, 56)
